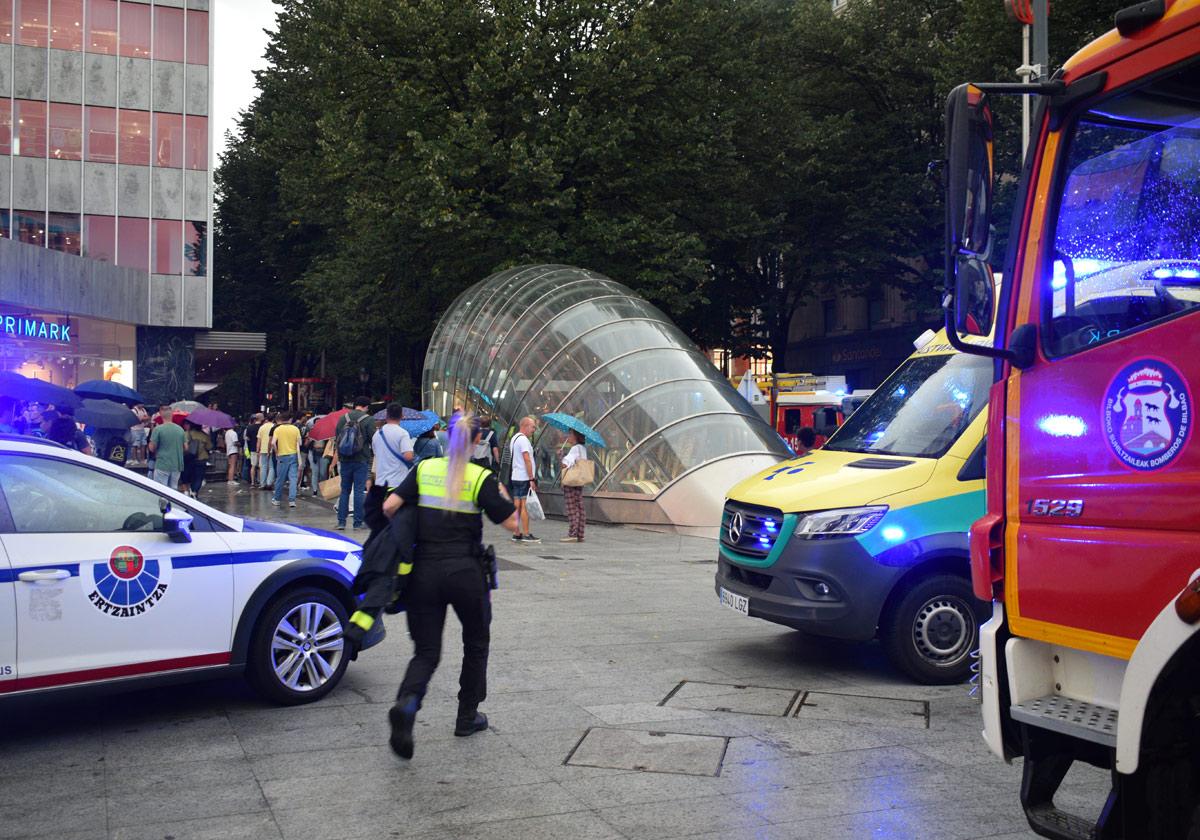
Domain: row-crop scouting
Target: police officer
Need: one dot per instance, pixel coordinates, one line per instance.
(451, 493)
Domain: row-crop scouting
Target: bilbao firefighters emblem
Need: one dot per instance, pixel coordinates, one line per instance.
(1147, 414)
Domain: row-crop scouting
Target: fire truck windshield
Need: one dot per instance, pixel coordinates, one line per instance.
(1127, 240)
(920, 410)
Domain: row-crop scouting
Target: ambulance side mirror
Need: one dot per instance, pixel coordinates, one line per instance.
(177, 525)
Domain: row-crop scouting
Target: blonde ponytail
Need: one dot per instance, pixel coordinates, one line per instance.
(462, 446)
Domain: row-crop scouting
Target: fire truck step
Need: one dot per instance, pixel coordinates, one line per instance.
(1052, 822)
(1076, 718)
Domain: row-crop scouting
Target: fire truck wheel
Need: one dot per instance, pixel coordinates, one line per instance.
(930, 631)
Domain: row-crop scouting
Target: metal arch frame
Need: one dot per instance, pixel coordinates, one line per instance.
(500, 310)
(544, 327)
(574, 340)
(637, 446)
(465, 325)
(704, 464)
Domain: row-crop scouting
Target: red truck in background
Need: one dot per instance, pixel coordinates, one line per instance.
(1090, 548)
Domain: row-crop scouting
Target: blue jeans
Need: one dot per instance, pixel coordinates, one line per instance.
(285, 470)
(354, 475)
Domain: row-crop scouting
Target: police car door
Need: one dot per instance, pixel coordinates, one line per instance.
(101, 591)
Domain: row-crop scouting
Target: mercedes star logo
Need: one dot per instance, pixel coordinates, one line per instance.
(736, 523)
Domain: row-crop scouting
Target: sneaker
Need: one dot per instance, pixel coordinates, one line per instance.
(341, 526)
(517, 538)
(530, 538)
(275, 502)
(464, 727)
(291, 504)
(569, 539)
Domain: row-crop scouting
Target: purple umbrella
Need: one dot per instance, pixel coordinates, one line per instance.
(212, 418)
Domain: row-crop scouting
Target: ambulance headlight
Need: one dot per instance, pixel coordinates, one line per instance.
(840, 522)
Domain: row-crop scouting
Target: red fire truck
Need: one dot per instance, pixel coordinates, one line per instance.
(1090, 548)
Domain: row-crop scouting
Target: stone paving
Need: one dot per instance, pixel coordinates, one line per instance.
(624, 702)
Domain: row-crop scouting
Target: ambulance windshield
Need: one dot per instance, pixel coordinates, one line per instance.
(920, 410)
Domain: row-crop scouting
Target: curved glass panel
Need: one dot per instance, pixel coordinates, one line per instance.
(537, 339)
(679, 448)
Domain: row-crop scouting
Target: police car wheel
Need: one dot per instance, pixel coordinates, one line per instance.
(931, 630)
(298, 652)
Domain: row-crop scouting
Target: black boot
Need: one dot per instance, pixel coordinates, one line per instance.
(469, 723)
(402, 716)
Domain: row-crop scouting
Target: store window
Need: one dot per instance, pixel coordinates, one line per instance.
(875, 312)
(102, 26)
(66, 131)
(133, 243)
(66, 24)
(135, 30)
(101, 130)
(197, 37)
(195, 248)
(63, 233)
(33, 17)
(6, 127)
(195, 150)
(134, 138)
(829, 316)
(31, 128)
(168, 247)
(29, 226)
(100, 238)
(168, 34)
(168, 140)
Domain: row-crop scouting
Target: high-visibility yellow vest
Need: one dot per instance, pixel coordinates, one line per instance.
(431, 486)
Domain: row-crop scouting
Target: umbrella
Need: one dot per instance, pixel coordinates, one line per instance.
(326, 427)
(35, 390)
(567, 423)
(212, 418)
(482, 396)
(420, 426)
(409, 414)
(104, 389)
(186, 406)
(105, 414)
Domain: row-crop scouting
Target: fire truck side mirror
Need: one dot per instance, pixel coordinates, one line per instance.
(969, 165)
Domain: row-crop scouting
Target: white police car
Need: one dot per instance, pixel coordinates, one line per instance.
(107, 578)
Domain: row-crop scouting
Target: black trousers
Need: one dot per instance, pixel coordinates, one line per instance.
(437, 583)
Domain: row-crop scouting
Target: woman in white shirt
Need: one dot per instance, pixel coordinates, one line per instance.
(231, 455)
(573, 496)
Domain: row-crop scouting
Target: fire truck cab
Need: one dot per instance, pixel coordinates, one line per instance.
(1090, 548)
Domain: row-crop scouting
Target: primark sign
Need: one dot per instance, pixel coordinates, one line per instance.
(39, 329)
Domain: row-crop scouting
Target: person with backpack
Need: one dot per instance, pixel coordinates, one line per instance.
(353, 456)
(426, 446)
(487, 451)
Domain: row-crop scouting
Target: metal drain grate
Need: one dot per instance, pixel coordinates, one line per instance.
(1088, 721)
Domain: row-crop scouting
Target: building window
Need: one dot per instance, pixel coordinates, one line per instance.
(195, 152)
(6, 28)
(31, 128)
(135, 30)
(134, 138)
(4, 224)
(63, 232)
(197, 37)
(102, 26)
(168, 247)
(100, 238)
(195, 249)
(829, 316)
(101, 127)
(168, 34)
(66, 131)
(5, 126)
(33, 19)
(29, 226)
(133, 243)
(874, 312)
(168, 140)
(66, 24)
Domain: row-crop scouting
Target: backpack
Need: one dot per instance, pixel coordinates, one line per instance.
(350, 441)
(483, 450)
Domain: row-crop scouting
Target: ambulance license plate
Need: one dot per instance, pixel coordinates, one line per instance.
(735, 602)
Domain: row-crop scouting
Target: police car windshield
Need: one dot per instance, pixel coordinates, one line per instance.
(920, 410)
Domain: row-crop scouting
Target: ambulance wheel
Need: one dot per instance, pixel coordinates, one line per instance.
(297, 652)
(930, 631)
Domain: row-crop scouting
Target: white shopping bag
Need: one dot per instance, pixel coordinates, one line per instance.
(534, 505)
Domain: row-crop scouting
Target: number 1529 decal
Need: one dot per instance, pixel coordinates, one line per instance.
(1054, 507)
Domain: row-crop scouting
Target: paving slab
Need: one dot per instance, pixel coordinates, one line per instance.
(724, 697)
(857, 708)
(650, 752)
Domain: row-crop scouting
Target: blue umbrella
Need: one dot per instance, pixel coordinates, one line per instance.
(422, 423)
(409, 414)
(567, 423)
(36, 390)
(104, 389)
